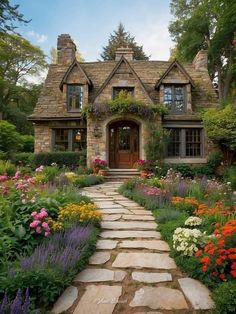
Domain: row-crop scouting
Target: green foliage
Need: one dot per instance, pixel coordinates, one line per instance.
(28, 143)
(3, 155)
(6, 167)
(122, 38)
(220, 125)
(124, 103)
(23, 159)
(230, 176)
(166, 214)
(88, 180)
(155, 142)
(167, 229)
(224, 297)
(10, 139)
(209, 25)
(50, 173)
(68, 159)
(9, 14)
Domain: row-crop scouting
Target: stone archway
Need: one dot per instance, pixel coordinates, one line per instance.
(123, 144)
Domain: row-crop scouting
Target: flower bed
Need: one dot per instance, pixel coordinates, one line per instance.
(48, 231)
(198, 219)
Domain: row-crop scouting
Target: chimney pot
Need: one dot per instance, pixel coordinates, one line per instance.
(66, 49)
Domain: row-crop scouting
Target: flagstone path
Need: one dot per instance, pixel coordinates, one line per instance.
(131, 272)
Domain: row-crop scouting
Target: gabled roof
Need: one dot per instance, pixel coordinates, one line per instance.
(175, 63)
(122, 59)
(69, 70)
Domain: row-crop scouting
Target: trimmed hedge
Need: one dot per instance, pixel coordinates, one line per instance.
(68, 159)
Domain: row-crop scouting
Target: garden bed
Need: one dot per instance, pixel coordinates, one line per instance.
(197, 217)
(48, 230)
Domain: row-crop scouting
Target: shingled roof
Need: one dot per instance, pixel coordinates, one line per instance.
(97, 73)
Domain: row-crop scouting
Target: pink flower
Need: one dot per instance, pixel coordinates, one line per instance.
(43, 214)
(34, 224)
(45, 226)
(38, 229)
(34, 214)
(46, 233)
(3, 178)
(16, 176)
(39, 169)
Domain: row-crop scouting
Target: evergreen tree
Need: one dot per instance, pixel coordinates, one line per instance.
(122, 38)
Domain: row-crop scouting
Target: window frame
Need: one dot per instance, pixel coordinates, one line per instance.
(172, 109)
(68, 97)
(70, 140)
(182, 143)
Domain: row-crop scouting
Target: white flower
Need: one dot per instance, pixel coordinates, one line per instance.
(193, 221)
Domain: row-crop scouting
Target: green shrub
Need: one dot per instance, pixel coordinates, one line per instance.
(167, 229)
(214, 160)
(10, 139)
(6, 167)
(23, 159)
(225, 298)
(28, 143)
(68, 159)
(230, 176)
(166, 214)
(50, 173)
(3, 155)
(88, 180)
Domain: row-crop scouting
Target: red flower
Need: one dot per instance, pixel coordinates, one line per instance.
(232, 256)
(204, 268)
(222, 276)
(233, 273)
(198, 253)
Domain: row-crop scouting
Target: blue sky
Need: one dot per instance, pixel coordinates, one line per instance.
(89, 22)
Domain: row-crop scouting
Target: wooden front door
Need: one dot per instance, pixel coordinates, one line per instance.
(123, 144)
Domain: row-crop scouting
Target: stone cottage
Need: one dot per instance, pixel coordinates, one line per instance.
(120, 138)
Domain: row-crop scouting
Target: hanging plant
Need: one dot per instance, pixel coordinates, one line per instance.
(124, 104)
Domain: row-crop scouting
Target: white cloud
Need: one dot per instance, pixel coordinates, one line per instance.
(40, 38)
(155, 38)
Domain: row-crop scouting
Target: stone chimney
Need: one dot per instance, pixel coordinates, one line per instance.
(127, 52)
(65, 49)
(200, 61)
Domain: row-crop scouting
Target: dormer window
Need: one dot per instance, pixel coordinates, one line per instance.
(174, 98)
(74, 97)
(127, 90)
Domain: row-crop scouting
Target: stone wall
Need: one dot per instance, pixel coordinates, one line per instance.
(98, 136)
(43, 138)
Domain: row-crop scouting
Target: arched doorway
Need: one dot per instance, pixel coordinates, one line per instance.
(123, 144)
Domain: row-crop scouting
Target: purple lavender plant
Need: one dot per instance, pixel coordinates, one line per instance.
(62, 250)
(16, 304)
(26, 305)
(181, 188)
(4, 305)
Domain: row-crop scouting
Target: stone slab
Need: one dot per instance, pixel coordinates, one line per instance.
(197, 294)
(115, 234)
(106, 244)
(107, 206)
(99, 258)
(98, 299)
(108, 211)
(141, 212)
(127, 204)
(151, 277)
(128, 225)
(100, 275)
(144, 260)
(138, 217)
(66, 300)
(111, 217)
(159, 298)
(148, 244)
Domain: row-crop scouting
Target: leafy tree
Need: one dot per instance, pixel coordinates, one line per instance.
(122, 38)
(210, 25)
(19, 59)
(220, 126)
(10, 139)
(8, 15)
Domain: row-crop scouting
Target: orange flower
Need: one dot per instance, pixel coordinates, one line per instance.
(198, 253)
(205, 260)
(219, 261)
(232, 256)
(204, 268)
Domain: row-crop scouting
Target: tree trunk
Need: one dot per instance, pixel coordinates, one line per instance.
(220, 83)
(228, 76)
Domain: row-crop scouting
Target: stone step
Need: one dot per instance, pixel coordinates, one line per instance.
(136, 225)
(126, 234)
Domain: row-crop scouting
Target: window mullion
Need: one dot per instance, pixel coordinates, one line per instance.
(70, 140)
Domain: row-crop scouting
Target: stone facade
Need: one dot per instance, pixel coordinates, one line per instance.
(148, 79)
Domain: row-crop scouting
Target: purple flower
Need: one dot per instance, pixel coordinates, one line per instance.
(16, 305)
(4, 304)
(26, 305)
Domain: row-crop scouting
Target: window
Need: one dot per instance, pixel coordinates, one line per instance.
(174, 98)
(127, 90)
(185, 143)
(74, 97)
(69, 139)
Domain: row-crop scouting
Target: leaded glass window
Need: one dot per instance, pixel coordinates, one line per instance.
(74, 97)
(174, 98)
